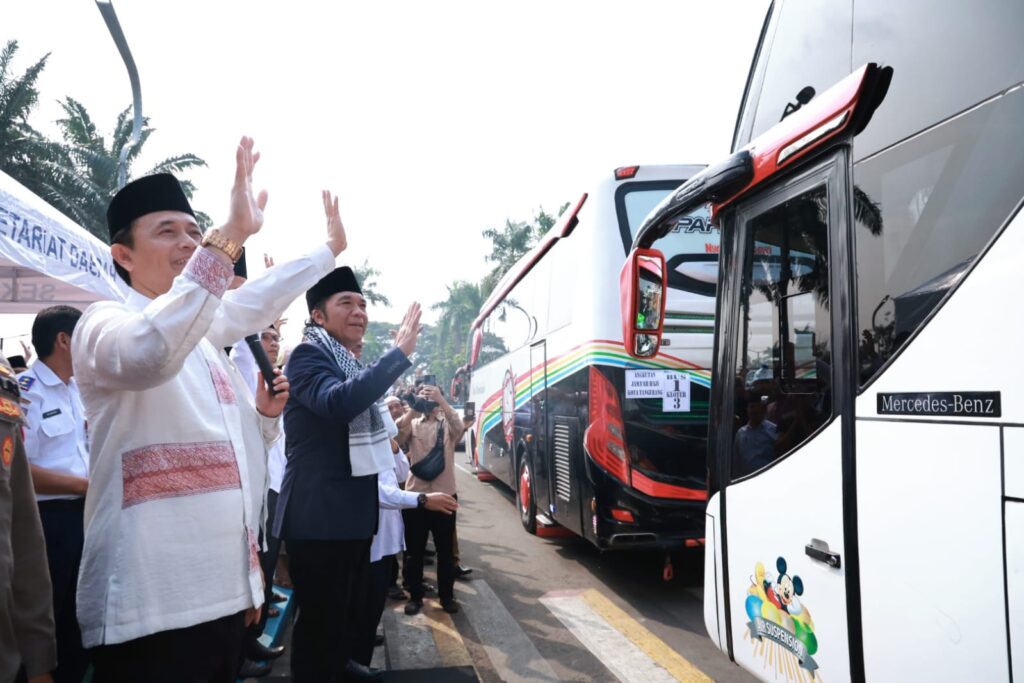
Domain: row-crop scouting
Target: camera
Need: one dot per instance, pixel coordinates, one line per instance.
(429, 379)
(469, 410)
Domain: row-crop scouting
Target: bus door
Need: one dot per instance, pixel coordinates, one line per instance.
(539, 427)
(779, 449)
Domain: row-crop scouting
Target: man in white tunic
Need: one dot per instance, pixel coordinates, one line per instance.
(178, 466)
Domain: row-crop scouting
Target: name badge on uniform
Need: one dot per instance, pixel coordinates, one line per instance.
(51, 413)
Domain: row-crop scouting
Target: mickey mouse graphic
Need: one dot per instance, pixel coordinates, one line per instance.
(783, 594)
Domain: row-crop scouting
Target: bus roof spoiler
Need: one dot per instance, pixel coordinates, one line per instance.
(844, 109)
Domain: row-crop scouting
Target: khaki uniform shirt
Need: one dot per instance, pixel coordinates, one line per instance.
(26, 600)
(422, 437)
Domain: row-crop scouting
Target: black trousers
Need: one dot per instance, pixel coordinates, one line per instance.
(204, 653)
(63, 527)
(369, 613)
(330, 579)
(419, 523)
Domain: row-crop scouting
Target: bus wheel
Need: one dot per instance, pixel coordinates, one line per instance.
(524, 497)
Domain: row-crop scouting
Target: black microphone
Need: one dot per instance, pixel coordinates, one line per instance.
(263, 361)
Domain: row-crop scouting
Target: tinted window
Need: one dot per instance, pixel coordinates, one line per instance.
(945, 57)
(691, 245)
(810, 46)
(783, 380)
(924, 209)
(745, 118)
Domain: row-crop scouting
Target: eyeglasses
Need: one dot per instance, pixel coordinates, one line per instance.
(268, 336)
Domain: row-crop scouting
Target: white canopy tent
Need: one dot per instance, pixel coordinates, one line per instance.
(46, 258)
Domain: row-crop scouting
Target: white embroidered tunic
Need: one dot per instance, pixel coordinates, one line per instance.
(177, 463)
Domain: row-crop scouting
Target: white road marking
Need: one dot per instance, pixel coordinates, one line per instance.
(617, 652)
(512, 653)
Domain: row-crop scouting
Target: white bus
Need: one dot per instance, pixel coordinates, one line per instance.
(866, 518)
(555, 420)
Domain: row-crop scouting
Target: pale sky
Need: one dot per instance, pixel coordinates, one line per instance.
(431, 120)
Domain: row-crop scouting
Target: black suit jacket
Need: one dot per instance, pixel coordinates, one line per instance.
(320, 499)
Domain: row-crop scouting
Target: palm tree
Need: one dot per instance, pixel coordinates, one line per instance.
(457, 313)
(366, 276)
(85, 171)
(21, 146)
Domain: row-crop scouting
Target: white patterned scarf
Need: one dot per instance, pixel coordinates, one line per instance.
(369, 446)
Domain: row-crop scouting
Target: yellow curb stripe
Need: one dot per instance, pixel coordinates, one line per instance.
(650, 644)
(449, 642)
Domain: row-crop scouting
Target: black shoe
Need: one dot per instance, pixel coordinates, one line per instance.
(429, 587)
(397, 593)
(378, 640)
(258, 652)
(429, 561)
(277, 597)
(251, 669)
(354, 671)
(429, 553)
(413, 607)
(450, 606)
(462, 572)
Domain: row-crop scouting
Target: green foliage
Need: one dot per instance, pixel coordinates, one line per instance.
(21, 146)
(444, 348)
(513, 241)
(87, 173)
(78, 174)
(366, 276)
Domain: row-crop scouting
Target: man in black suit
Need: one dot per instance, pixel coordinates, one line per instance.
(327, 511)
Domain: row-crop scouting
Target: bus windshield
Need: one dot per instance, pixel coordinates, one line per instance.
(690, 247)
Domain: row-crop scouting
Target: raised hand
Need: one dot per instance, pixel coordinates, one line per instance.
(405, 338)
(27, 348)
(246, 216)
(337, 241)
(432, 393)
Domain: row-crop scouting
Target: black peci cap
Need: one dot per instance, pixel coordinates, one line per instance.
(340, 279)
(149, 194)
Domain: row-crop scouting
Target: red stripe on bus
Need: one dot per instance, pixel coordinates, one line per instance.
(645, 484)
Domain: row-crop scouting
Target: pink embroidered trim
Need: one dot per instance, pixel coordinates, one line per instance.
(222, 383)
(170, 470)
(254, 549)
(209, 272)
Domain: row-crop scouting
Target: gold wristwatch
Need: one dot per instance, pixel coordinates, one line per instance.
(214, 238)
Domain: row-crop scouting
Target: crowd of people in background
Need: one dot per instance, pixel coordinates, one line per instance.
(161, 457)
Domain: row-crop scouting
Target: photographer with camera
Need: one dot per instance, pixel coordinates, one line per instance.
(434, 429)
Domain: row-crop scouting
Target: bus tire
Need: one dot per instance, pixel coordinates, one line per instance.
(525, 502)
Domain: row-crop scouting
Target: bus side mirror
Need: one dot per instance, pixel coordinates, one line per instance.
(642, 284)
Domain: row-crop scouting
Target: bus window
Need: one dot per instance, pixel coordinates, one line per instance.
(802, 29)
(972, 48)
(690, 247)
(783, 384)
(924, 210)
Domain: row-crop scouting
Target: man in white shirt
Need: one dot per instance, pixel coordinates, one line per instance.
(178, 465)
(58, 454)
